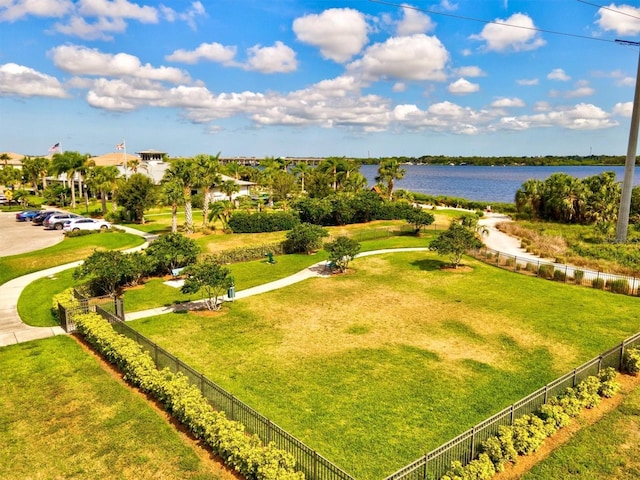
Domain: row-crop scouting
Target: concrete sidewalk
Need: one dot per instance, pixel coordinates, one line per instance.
(12, 329)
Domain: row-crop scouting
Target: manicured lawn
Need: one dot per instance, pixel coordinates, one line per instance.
(34, 304)
(69, 250)
(609, 449)
(376, 367)
(64, 416)
(154, 293)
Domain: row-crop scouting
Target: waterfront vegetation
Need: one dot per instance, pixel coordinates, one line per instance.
(340, 362)
(65, 416)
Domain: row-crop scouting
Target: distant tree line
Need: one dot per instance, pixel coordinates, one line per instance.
(537, 161)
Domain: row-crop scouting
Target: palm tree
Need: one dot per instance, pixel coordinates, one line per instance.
(301, 170)
(69, 163)
(208, 175)
(185, 171)
(173, 193)
(221, 210)
(5, 158)
(332, 165)
(103, 180)
(529, 196)
(229, 187)
(234, 169)
(389, 170)
(36, 168)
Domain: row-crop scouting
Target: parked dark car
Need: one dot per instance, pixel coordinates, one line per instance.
(40, 218)
(27, 215)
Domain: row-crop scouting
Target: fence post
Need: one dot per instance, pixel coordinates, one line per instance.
(512, 413)
(566, 269)
(268, 431)
(546, 393)
(473, 442)
(575, 376)
(315, 464)
(622, 345)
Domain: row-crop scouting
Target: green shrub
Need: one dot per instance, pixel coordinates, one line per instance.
(608, 384)
(546, 271)
(187, 404)
(559, 275)
(554, 415)
(631, 361)
(578, 275)
(598, 283)
(509, 262)
(529, 432)
(531, 267)
(619, 285)
(480, 469)
(587, 392)
(500, 448)
(562, 260)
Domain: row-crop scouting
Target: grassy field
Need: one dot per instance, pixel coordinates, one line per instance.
(607, 450)
(374, 368)
(69, 250)
(64, 416)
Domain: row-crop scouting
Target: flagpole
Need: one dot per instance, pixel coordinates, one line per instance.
(124, 144)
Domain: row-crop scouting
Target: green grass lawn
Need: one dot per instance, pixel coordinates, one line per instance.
(34, 304)
(64, 416)
(607, 450)
(376, 367)
(69, 250)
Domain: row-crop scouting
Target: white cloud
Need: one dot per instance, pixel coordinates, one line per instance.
(212, 52)
(507, 103)
(276, 59)
(413, 21)
(399, 87)
(626, 82)
(86, 61)
(189, 15)
(26, 82)
(448, 5)
(471, 71)
(340, 33)
(117, 9)
(623, 109)
(580, 92)
(622, 19)
(418, 57)
(558, 74)
(12, 10)
(528, 82)
(98, 30)
(502, 38)
(463, 87)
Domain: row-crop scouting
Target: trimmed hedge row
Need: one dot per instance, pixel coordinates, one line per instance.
(631, 361)
(528, 432)
(185, 402)
(243, 222)
(245, 254)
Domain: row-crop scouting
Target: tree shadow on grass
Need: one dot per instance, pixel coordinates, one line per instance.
(429, 264)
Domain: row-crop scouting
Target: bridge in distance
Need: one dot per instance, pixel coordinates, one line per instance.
(255, 161)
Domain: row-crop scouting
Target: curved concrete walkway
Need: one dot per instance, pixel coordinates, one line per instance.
(12, 329)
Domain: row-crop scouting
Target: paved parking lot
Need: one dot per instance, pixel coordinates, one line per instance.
(21, 237)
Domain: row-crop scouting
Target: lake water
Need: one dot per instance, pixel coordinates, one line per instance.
(486, 184)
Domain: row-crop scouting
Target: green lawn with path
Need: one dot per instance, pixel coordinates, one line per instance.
(376, 367)
(65, 416)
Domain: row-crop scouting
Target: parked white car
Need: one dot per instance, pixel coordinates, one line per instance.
(57, 220)
(85, 224)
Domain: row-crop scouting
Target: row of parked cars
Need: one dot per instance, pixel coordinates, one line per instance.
(57, 220)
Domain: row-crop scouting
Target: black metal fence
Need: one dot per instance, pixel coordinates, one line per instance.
(115, 306)
(308, 461)
(624, 284)
(465, 447)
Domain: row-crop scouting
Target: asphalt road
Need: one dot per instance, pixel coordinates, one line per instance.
(22, 237)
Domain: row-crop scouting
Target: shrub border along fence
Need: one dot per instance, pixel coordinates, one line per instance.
(308, 461)
(560, 272)
(465, 447)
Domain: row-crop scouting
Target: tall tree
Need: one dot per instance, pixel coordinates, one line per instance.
(389, 171)
(135, 195)
(208, 176)
(173, 195)
(102, 179)
(184, 170)
(301, 170)
(332, 165)
(69, 163)
(229, 187)
(35, 168)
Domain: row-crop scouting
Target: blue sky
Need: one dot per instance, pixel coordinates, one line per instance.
(317, 78)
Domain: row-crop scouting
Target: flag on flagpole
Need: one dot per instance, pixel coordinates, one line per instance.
(55, 147)
(120, 146)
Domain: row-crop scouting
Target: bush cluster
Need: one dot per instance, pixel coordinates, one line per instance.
(243, 222)
(185, 402)
(546, 271)
(528, 432)
(631, 361)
